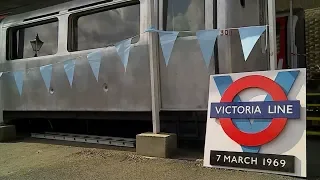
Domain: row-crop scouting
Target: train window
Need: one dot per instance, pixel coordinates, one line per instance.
(19, 40)
(104, 27)
(184, 15)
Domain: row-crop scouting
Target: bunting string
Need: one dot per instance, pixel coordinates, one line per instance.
(108, 45)
(206, 39)
(152, 29)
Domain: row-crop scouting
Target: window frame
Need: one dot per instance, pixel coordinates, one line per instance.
(74, 17)
(13, 29)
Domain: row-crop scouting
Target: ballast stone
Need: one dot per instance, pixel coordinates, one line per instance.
(161, 145)
(7, 133)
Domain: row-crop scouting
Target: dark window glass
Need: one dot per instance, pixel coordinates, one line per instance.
(19, 38)
(184, 15)
(104, 28)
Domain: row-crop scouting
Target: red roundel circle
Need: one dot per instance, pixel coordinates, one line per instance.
(276, 125)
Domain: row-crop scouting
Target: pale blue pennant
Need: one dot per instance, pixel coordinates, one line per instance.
(249, 37)
(18, 77)
(94, 60)
(123, 49)
(207, 40)
(46, 73)
(167, 40)
(69, 67)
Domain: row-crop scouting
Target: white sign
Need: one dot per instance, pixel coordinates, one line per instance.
(268, 140)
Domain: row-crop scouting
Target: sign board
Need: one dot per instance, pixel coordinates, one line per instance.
(257, 121)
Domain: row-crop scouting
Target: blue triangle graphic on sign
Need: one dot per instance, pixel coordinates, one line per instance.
(207, 40)
(69, 67)
(123, 49)
(249, 37)
(94, 60)
(167, 40)
(252, 149)
(46, 73)
(18, 77)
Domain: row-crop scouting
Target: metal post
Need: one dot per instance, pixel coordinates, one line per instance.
(154, 68)
(291, 36)
(225, 20)
(1, 104)
(272, 34)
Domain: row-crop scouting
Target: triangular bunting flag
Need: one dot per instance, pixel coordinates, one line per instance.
(207, 40)
(46, 73)
(123, 49)
(94, 60)
(69, 67)
(18, 77)
(249, 37)
(167, 40)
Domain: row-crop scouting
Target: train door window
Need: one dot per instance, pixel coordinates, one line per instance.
(19, 39)
(103, 27)
(184, 15)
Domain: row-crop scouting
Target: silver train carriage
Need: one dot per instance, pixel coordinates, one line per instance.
(74, 29)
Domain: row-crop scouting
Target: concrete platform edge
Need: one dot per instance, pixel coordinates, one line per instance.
(163, 145)
(7, 133)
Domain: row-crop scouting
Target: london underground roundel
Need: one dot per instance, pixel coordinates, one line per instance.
(257, 121)
(277, 124)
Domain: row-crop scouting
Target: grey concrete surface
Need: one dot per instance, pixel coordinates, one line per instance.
(156, 145)
(7, 132)
(48, 160)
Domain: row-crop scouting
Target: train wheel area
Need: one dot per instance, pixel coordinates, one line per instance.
(189, 126)
(96, 123)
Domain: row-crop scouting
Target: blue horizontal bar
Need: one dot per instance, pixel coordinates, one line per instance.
(256, 110)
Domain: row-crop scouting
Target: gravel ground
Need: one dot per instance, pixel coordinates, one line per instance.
(31, 159)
